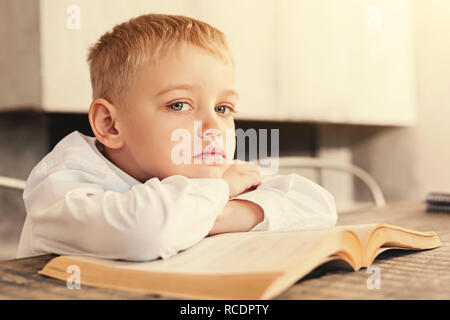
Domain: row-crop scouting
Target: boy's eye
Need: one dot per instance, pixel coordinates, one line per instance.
(224, 109)
(178, 106)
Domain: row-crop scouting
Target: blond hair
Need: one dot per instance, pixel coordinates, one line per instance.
(117, 57)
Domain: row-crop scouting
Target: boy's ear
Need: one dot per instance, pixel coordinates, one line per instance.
(104, 123)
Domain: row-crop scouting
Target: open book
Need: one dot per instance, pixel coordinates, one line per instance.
(244, 265)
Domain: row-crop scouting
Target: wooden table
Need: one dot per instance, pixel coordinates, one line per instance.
(404, 275)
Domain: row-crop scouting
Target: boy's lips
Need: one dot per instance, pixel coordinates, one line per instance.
(215, 152)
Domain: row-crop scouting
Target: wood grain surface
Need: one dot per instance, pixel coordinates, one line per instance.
(404, 274)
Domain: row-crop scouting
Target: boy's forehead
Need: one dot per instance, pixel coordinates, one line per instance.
(194, 70)
(230, 91)
(187, 54)
(189, 58)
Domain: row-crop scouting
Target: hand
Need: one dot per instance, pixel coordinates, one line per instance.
(237, 216)
(242, 176)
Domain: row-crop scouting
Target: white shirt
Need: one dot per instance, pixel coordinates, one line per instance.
(80, 203)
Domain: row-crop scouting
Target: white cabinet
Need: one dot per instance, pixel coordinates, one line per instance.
(346, 61)
(250, 30)
(66, 83)
(62, 30)
(342, 61)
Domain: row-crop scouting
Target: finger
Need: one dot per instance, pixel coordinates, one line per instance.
(256, 178)
(255, 169)
(250, 167)
(254, 166)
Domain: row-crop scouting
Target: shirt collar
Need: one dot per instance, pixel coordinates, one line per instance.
(99, 148)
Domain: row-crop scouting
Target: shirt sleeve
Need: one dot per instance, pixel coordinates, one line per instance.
(292, 202)
(151, 220)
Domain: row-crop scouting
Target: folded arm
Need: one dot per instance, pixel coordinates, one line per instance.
(292, 202)
(238, 216)
(151, 220)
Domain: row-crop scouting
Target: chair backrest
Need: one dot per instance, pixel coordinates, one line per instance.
(285, 163)
(293, 163)
(12, 183)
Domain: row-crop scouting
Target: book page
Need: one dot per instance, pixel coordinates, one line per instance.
(240, 252)
(366, 232)
(379, 237)
(361, 230)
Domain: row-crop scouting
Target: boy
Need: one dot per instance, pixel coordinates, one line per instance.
(120, 194)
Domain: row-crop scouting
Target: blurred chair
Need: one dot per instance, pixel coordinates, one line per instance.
(318, 163)
(12, 216)
(285, 163)
(12, 183)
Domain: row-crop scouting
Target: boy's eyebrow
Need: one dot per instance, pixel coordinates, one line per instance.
(188, 86)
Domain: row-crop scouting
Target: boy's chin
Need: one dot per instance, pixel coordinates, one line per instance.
(206, 171)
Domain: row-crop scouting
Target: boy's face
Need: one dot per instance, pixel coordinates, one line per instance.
(155, 115)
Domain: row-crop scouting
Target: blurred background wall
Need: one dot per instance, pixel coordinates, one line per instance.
(409, 162)
(41, 102)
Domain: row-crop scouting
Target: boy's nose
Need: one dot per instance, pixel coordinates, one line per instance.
(212, 132)
(209, 132)
(209, 127)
